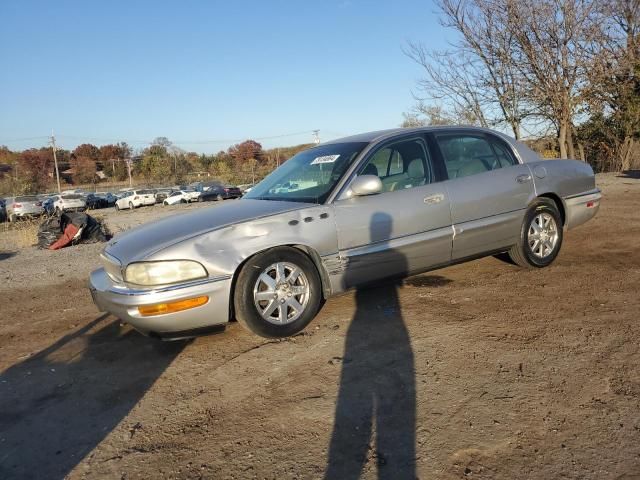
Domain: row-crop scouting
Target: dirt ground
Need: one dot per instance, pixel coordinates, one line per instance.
(481, 370)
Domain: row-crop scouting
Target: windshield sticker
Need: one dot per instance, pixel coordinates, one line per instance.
(325, 159)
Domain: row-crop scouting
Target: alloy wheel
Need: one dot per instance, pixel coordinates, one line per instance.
(281, 293)
(543, 235)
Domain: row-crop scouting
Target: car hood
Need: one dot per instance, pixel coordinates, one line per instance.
(143, 241)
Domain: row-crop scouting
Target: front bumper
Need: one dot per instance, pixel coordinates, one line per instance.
(123, 302)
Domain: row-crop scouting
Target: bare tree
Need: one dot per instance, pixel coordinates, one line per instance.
(479, 74)
(615, 85)
(556, 42)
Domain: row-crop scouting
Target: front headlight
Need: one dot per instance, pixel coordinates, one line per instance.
(164, 272)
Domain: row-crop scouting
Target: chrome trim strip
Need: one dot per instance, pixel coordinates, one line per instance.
(590, 192)
(124, 290)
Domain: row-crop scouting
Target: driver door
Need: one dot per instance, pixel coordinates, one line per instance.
(404, 229)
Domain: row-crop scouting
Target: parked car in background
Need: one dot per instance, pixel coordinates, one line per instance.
(246, 187)
(219, 192)
(181, 196)
(383, 204)
(100, 200)
(47, 203)
(135, 198)
(23, 206)
(162, 193)
(69, 202)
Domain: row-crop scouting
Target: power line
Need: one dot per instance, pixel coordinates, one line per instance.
(24, 139)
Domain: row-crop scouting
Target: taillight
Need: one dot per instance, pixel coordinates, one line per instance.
(17, 205)
(226, 189)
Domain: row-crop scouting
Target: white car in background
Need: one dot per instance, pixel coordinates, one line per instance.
(181, 196)
(136, 198)
(69, 202)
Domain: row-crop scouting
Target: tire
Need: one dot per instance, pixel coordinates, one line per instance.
(219, 198)
(183, 201)
(529, 254)
(12, 218)
(250, 280)
(117, 207)
(131, 205)
(165, 204)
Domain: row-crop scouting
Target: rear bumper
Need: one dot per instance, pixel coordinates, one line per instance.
(123, 302)
(582, 208)
(28, 212)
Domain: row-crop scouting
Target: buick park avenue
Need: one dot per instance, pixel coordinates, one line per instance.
(339, 215)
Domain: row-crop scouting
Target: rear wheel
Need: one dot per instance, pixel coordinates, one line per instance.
(117, 207)
(219, 198)
(540, 236)
(278, 293)
(131, 205)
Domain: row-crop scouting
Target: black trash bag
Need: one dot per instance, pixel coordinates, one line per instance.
(92, 231)
(49, 232)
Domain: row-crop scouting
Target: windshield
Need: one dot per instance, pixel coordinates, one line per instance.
(308, 176)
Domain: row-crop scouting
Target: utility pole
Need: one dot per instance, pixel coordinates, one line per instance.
(55, 160)
(128, 160)
(316, 136)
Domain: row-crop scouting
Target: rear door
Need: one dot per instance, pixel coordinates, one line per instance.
(404, 229)
(489, 191)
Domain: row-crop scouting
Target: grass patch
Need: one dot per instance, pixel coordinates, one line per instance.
(20, 234)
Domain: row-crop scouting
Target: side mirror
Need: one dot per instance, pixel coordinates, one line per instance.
(366, 185)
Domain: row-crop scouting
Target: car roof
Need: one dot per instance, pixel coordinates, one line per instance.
(525, 153)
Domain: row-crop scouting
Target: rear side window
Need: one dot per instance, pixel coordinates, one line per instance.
(505, 156)
(466, 155)
(26, 199)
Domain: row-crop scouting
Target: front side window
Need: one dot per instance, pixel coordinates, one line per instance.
(309, 176)
(466, 155)
(401, 165)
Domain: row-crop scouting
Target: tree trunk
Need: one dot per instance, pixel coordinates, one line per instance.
(562, 139)
(570, 149)
(515, 126)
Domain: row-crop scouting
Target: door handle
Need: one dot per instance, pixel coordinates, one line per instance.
(524, 178)
(433, 199)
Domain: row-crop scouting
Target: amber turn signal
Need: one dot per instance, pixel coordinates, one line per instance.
(172, 307)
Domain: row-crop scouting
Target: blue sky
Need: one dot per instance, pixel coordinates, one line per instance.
(199, 71)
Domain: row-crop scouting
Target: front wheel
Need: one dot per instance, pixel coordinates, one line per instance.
(117, 207)
(131, 205)
(540, 236)
(278, 293)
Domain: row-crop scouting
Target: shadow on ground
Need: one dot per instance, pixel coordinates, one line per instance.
(57, 405)
(5, 255)
(427, 281)
(630, 174)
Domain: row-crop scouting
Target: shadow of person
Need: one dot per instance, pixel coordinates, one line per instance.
(377, 395)
(58, 405)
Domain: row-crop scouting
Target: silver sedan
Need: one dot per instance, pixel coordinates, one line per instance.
(343, 214)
